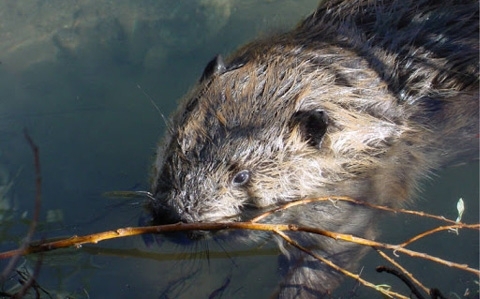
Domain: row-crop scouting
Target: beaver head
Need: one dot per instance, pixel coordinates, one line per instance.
(272, 128)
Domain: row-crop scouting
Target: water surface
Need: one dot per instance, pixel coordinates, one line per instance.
(70, 74)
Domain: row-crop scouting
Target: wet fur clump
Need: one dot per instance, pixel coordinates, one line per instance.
(363, 99)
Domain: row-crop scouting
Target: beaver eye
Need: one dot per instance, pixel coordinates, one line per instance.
(241, 178)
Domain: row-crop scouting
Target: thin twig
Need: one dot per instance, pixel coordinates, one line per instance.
(403, 278)
(356, 277)
(351, 200)
(396, 248)
(404, 271)
(77, 241)
(36, 212)
(438, 229)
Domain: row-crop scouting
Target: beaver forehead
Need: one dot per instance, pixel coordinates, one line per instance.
(259, 93)
(237, 149)
(254, 102)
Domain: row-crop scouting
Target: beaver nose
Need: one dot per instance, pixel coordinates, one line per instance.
(164, 214)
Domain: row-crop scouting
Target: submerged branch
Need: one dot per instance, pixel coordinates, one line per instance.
(33, 224)
(77, 241)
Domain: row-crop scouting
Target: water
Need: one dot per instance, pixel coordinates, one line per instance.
(69, 74)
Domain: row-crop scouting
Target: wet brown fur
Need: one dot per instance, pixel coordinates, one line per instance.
(398, 81)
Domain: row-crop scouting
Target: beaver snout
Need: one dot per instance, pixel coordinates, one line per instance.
(163, 214)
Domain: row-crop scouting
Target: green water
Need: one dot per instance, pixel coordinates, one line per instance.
(70, 74)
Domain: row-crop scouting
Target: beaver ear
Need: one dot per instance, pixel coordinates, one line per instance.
(216, 66)
(312, 125)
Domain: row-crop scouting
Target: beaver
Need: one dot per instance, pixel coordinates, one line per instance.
(362, 99)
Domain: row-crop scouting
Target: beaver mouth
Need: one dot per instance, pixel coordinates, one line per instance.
(161, 214)
(187, 237)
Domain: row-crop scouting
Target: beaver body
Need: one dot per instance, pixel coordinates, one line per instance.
(363, 99)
